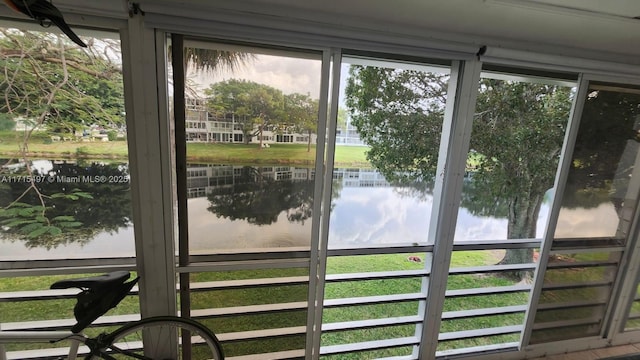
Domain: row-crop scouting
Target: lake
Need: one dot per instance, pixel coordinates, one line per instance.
(242, 208)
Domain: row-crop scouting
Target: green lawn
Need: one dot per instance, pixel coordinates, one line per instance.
(55, 309)
(196, 152)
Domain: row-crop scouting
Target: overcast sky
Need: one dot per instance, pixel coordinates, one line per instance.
(291, 75)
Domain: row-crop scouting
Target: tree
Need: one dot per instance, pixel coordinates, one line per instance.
(265, 106)
(59, 89)
(517, 137)
(225, 98)
(63, 89)
(519, 129)
(400, 124)
(255, 108)
(301, 113)
(210, 60)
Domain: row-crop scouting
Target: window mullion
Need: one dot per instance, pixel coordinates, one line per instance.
(144, 73)
(454, 146)
(328, 114)
(561, 178)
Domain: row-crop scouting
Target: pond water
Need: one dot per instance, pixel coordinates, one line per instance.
(239, 208)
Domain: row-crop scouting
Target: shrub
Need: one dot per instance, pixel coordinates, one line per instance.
(112, 135)
(82, 150)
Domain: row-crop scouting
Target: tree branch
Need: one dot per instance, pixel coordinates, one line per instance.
(41, 57)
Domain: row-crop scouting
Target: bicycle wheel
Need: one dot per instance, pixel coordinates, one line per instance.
(163, 338)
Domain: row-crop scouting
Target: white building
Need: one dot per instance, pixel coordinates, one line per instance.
(204, 126)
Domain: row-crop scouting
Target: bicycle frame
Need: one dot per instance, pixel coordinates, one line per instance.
(9, 337)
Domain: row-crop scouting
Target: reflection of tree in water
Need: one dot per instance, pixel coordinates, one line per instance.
(260, 199)
(105, 208)
(481, 201)
(417, 189)
(605, 150)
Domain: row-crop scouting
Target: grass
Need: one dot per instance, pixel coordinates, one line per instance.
(56, 309)
(196, 152)
(400, 286)
(38, 310)
(276, 154)
(572, 275)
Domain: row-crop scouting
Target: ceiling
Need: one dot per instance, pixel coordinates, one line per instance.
(598, 29)
(623, 8)
(560, 26)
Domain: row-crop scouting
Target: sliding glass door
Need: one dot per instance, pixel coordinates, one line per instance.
(249, 133)
(388, 133)
(591, 241)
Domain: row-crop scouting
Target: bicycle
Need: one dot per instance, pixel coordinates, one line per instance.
(153, 338)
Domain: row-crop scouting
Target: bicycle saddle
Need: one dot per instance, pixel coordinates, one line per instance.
(112, 278)
(98, 295)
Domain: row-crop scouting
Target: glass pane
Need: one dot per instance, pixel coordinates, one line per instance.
(251, 130)
(389, 123)
(575, 294)
(64, 174)
(517, 136)
(598, 205)
(388, 136)
(602, 183)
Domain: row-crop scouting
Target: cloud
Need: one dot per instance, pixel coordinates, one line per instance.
(288, 74)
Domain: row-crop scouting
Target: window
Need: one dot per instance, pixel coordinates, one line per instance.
(65, 197)
(385, 204)
(252, 209)
(73, 202)
(585, 254)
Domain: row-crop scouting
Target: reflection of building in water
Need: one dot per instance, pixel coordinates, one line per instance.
(360, 178)
(204, 126)
(203, 178)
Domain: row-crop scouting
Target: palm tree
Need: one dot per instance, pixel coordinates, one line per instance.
(208, 60)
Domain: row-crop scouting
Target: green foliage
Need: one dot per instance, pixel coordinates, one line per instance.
(301, 115)
(6, 122)
(32, 222)
(400, 124)
(59, 89)
(519, 128)
(66, 205)
(254, 106)
(209, 60)
(517, 136)
(112, 135)
(62, 89)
